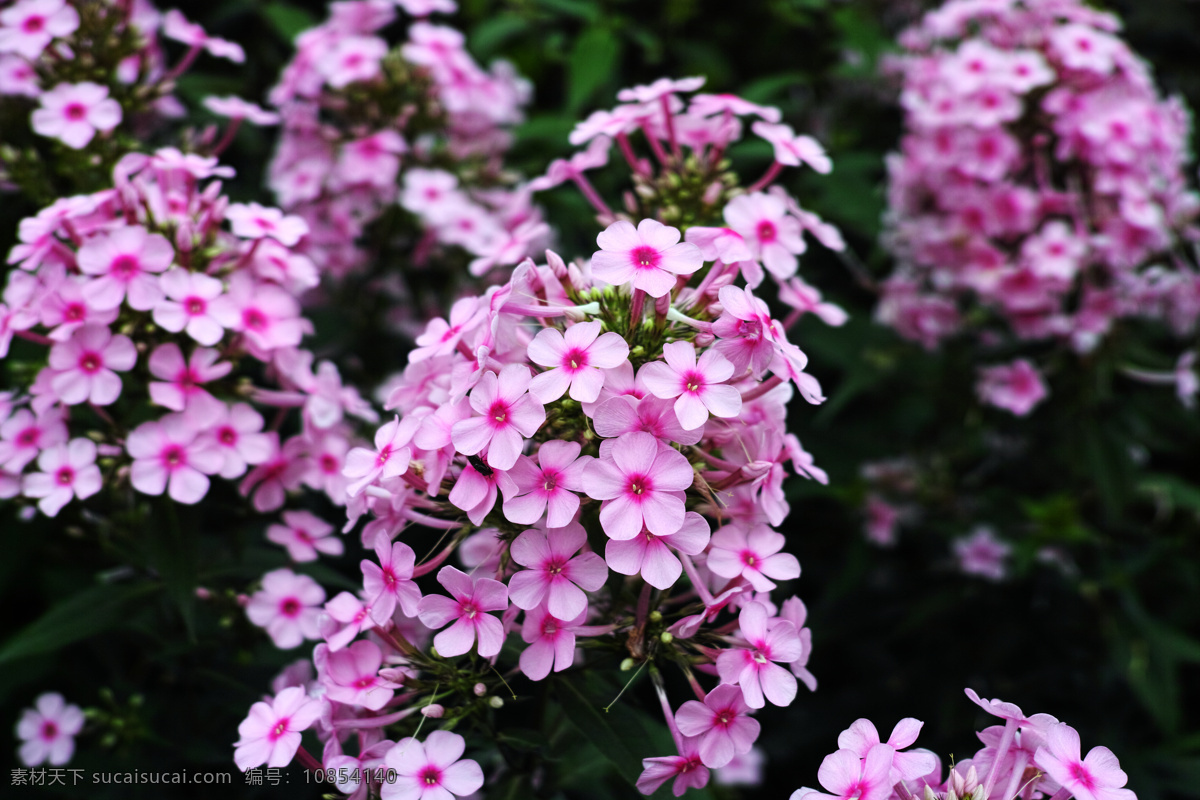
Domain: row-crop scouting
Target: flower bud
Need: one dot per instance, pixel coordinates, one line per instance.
(627, 665)
(434, 711)
(496, 702)
(480, 690)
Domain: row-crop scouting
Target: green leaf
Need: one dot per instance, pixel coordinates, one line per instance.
(78, 617)
(572, 8)
(288, 20)
(609, 732)
(491, 34)
(592, 62)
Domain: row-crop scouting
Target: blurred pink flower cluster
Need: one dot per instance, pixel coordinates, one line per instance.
(1040, 177)
(1025, 757)
(367, 127)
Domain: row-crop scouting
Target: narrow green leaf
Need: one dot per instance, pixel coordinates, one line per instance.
(288, 20)
(624, 752)
(85, 614)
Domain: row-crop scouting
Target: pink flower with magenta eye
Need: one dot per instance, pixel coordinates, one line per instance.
(1015, 387)
(472, 599)
(181, 380)
(391, 456)
(746, 333)
(754, 668)
(508, 413)
(699, 385)
(67, 470)
(390, 582)
(28, 27)
(236, 432)
(352, 676)
(1098, 776)
(433, 770)
(651, 555)
(723, 724)
(191, 295)
(84, 366)
(551, 643)
(552, 575)
(123, 263)
(47, 731)
(254, 221)
(687, 769)
(265, 314)
(288, 606)
(23, 436)
(73, 112)
(576, 359)
(848, 777)
(775, 237)
(271, 734)
(642, 483)
(649, 256)
(861, 737)
(549, 484)
(304, 535)
(627, 414)
(792, 150)
(752, 554)
(170, 455)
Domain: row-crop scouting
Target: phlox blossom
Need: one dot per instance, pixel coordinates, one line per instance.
(271, 733)
(1015, 387)
(649, 256)
(1098, 776)
(550, 640)
(549, 484)
(651, 556)
(472, 599)
(123, 263)
(389, 582)
(288, 607)
(73, 112)
(687, 769)
(507, 413)
(575, 359)
(170, 455)
(847, 777)
(352, 676)
(753, 668)
(47, 731)
(774, 237)
(67, 471)
(698, 385)
(642, 483)
(86, 365)
(191, 294)
(754, 554)
(304, 535)
(27, 27)
(553, 574)
(722, 722)
(431, 770)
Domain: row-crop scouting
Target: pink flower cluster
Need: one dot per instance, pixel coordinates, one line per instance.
(1040, 176)
(1025, 757)
(39, 37)
(366, 128)
(139, 294)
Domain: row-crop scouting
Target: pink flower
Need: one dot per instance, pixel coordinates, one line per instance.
(642, 483)
(123, 262)
(753, 668)
(687, 769)
(752, 554)
(476, 493)
(441, 337)
(774, 237)
(67, 310)
(47, 731)
(508, 413)
(23, 436)
(236, 108)
(551, 483)
(288, 606)
(352, 676)
(84, 366)
(390, 582)
(747, 334)
(189, 308)
(17, 76)
(793, 611)
(850, 778)
(431, 771)
(723, 724)
(792, 150)
(1015, 387)
(698, 385)
(352, 59)
(551, 643)
(552, 575)
(1098, 776)
(861, 737)
(236, 434)
(651, 555)
(72, 113)
(265, 314)
(390, 458)
(473, 598)
(176, 26)
(282, 470)
(253, 221)
(67, 470)
(351, 618)
(182, 380)
(304, 535)
(650, 256)
(170, 455)
(576, 360)
(27, 27)
(627, 414)
(271, 733)
(982, 554)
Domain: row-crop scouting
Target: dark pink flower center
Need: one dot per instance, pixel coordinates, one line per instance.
(279, 730)
(644, 257)
(639, 485)
(749, 558)
(302, 535)
(556, 565)
(365, 682)
(34, 24)
(384, 454)
(227, 436)
(91, 363)
(75, 112)
(75, 312)
(693, 381)
(389, 578)
(124, 267)
(468, 609)
(65, 476)
(550, 627)
(254, 319)
(550, 480)
(1081, 776)
(187, 379)
(29, 437)
(575, 359)
(1084, 44)
(766, 231)
(49, 730)
(174, 457)
(498, 414)
(290, 607)
(725, 717)
(330, 464)
(195, 306)
(431, 776)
